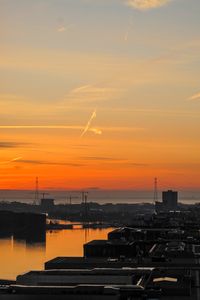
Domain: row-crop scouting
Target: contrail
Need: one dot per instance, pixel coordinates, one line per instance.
(10, 161)
(126, 36)
(130, 25)
(16, 159)
(195, 97)
(87, 127)
(95, 130)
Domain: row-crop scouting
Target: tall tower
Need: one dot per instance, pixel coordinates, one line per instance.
(155, 190)
(36, 191)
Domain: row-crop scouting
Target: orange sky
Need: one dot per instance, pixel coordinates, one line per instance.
(112, 105)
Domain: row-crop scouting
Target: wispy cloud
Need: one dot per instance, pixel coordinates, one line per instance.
(64, 28)
(81, 88)
(123, 129)
(68, 127)
(41, 127)
(44, 162)
(101, 158)
(113, 160)
(10, 144)
(96, 130)
(146, 4)
(91, 93)
(61, 29)
(87, 127)
(195, 97)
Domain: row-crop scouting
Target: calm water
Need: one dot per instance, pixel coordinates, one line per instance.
(17, 256)
(99, 196)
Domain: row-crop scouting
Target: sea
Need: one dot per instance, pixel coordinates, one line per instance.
(95, 195)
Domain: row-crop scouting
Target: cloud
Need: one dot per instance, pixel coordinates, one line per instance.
(96, 130)
(123, 129)
(126, 36)
(71, 127)
(81, 88)
(195, 97)
(138, 164)
(63, 28)
(41, 127)
(96, 158)
(92, 93)
(10, 144)
(146, 4)
(82, 146)
(117, 161)
(44, 162)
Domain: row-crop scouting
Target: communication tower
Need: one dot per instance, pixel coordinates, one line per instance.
(36, 191)
(155, 190)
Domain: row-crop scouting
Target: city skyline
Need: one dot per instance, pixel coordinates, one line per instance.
(99, 93)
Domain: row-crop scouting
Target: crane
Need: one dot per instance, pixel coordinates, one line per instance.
(70, 199)
(84, 197)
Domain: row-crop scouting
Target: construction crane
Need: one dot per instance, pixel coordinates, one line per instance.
(43, 194)
(70, 199)
(84, 197)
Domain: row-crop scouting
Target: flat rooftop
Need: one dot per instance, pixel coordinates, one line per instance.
(107, 242)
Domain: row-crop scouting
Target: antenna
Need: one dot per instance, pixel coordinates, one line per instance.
(36, 191)
(85, 206)
(155, 189)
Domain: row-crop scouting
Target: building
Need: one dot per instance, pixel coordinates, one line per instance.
(47, 204)
(170, 200)
(94, 284)
(88, 263)
(28, 226)
(110, 248)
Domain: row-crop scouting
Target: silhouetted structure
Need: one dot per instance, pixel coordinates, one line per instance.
(28, 226)
(110, 248)
(47, 205)
(169, 201)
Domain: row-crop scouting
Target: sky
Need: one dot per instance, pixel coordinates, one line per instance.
(101, 94)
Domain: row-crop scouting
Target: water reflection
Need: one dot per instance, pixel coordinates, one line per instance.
(18, 254)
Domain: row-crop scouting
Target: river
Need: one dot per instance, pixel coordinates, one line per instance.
(17, 256)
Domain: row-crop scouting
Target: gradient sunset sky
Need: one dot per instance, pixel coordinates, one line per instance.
(100, 93)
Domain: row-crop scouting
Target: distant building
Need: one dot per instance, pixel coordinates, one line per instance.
(169, 202)
(47, 204)
(170, 199)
